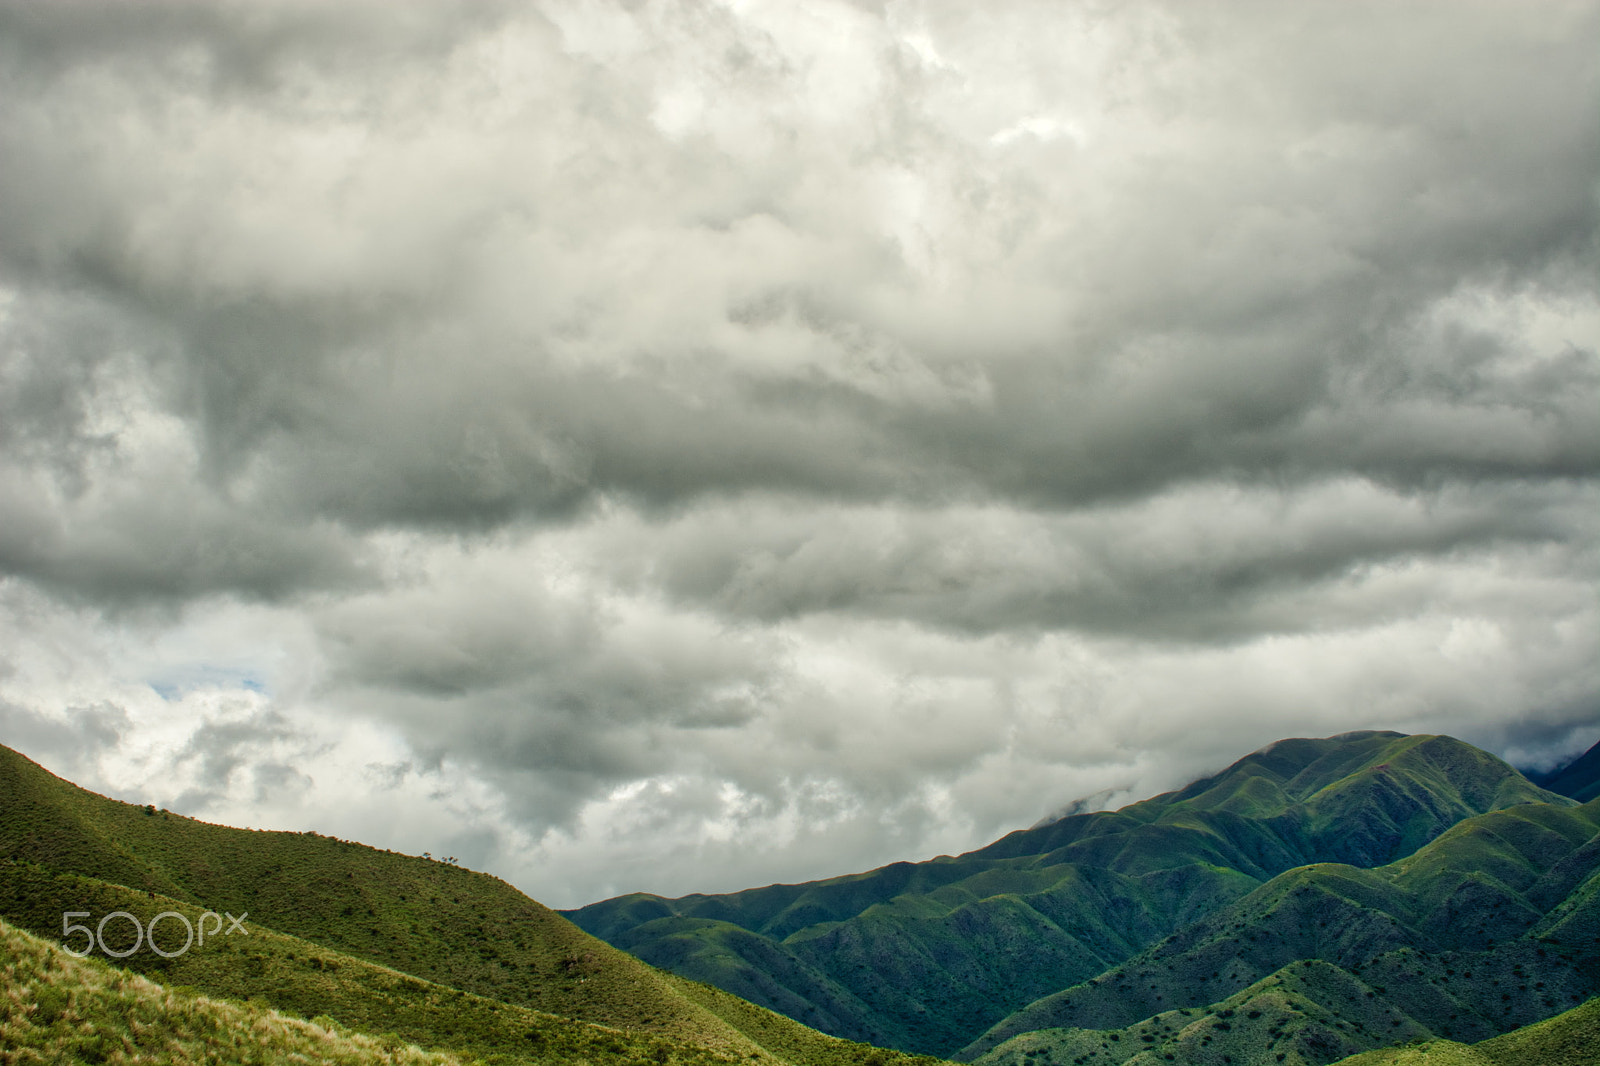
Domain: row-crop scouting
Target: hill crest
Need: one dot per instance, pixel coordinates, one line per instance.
(449, 927)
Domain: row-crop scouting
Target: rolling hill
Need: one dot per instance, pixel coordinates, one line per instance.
(929, 956)
(1490, 927)
(451, 958)
(1569, 1039)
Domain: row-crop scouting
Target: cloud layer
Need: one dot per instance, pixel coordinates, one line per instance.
(679, 446)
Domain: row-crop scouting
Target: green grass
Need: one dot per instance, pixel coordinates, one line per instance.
(422, 948)
(302, 980)
(58, 1009)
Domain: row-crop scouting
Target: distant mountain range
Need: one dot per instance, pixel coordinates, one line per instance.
(1318, 898)
(1351, 868)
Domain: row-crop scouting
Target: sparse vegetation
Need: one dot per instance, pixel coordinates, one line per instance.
(1411, 955)
(1569, 1039)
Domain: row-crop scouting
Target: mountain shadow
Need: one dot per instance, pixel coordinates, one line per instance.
(1578, 779)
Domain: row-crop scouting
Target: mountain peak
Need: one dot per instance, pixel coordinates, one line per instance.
(929, 955)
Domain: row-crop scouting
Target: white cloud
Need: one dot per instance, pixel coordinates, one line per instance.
(679, 446)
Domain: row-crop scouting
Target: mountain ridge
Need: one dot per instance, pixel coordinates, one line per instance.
(1447, 898)
(927, 956)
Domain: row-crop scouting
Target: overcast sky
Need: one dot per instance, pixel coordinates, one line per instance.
(683, 446)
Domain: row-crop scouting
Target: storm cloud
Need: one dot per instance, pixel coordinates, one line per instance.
(675, 446)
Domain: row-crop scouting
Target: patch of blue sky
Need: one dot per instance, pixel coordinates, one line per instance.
(173, 685)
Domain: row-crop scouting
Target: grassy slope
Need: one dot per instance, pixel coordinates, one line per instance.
(301, 979)
(1489, 927)
(55, 1008)
(927, 956)
(449, 926)
(1568, 1039)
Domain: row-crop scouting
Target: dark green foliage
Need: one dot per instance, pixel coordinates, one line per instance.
(927, 956)
(1571, 1038)
(1489, 927)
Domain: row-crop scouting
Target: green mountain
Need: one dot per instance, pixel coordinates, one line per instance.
(929, 956)
(1569, 1039)
(442, 956)
(1579, 779)
(1317, 899)
(1492, 926)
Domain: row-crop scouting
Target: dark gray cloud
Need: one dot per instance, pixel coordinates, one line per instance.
(758, 438)
(73, 741)
(1217, 562)
(374, 310)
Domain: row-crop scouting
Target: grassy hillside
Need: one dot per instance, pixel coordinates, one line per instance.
(451, 928)
(302, 980)
(1569, 1039)
(55, 1008)
(927, 956)
(1489, 927)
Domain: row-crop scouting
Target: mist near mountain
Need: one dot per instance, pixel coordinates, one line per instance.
(1579, 778)
(1374, 858)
